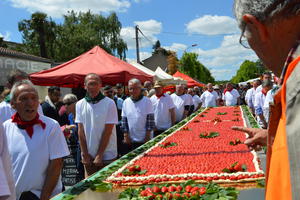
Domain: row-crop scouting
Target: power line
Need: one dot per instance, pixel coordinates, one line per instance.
(178, 33)
(146, 37)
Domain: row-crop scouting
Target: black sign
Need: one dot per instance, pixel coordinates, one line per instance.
(70, 174)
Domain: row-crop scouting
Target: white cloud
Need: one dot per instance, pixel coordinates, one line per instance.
(176, 47)
(228, 56)
(6, 36)
(144, 55)
(212, 25)
(220, 74)
(150, 28)
(56, 8)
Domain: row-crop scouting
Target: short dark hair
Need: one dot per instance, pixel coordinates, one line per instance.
(51, 89)
(119, 85)
(107, 87)
(267, 73)
(11, 78)
(92, 75)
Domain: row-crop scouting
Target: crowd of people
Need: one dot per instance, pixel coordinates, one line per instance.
(107, 123)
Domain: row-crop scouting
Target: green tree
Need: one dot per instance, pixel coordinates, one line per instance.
(248, 70)
(2, 43)
(156, 45)
(38, 34)
(82, 31)
(190, 65)
(78, 33)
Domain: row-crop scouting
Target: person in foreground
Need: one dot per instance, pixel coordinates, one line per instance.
(36, 145)
(96, 116)
(272, 29)
(7, 184)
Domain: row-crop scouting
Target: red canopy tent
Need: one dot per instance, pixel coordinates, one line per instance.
(71, 74)
(190, 82)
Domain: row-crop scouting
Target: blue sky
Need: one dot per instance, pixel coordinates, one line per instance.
(176, 23)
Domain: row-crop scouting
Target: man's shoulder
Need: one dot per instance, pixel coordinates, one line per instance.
(146, 99)
(7, 123)
(46, 105)
(4, 105)
(127, 100)
(48, 121)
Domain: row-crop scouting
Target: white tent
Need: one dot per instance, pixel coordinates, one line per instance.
(168, 78)
(249, 81)
(159, 75)
(142, 68)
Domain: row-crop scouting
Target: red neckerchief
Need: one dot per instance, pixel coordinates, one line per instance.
(227, 90)
(264, 92)
(158, 96)
(28, 125)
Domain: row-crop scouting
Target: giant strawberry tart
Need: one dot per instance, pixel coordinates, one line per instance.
(204, 149)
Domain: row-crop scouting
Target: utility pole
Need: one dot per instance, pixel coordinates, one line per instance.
(137, 44)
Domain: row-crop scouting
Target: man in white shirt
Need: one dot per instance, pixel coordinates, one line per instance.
(182, 104)
(164, 109)
(265, 76)
(189, 99)
(196, 99)
(210, 97)
(260, 98)
(36, 145)
(109, 92)
(5, 107)
(7, 184)
(231, 96)
(250, 95)
(137, 116)
(96, 116)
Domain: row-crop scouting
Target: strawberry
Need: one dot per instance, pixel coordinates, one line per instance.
(176, 195)
(185, 194)
(178, 188)
(131, 168)
(159, 197)
(169, 195)
(202, 190)
(148, 190)
(156, 189)
(188, 188)
(144, 193)
(164, 189)
(137, 168)
(194, 189)
(205, 134)
(195, 193)
(171, 188)
(238, 167)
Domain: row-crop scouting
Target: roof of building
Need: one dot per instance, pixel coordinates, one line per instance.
(17, 54)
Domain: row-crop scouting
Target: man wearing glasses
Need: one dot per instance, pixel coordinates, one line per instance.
(272, 30)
